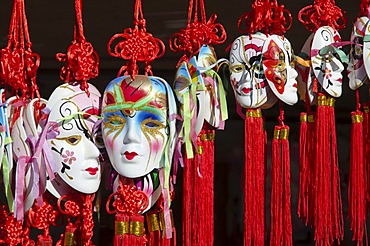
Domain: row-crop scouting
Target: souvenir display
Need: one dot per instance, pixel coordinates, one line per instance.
(200, 92)
(320, 172)
(139, 133)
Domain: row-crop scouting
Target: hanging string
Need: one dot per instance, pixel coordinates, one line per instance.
(322, 13)
(197, 32)
(81, 60)
(136, 45)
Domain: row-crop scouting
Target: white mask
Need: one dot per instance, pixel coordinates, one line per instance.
(279, 68)
(246, 71)
(136, 129)
(326, 66)
(73, 149)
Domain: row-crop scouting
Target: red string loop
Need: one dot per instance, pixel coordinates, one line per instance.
(136, 45)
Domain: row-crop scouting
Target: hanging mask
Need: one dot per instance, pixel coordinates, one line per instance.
(73, 149)
(279, 69)
(246, 71)
(326, 61)
(137, 128)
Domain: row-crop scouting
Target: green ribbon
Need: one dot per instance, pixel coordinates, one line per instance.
(342, 56)
(7, 185)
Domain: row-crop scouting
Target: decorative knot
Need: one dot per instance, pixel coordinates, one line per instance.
(81, 63)
(196, 34)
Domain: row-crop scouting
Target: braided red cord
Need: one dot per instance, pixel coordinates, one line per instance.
(88, 222)
(18, 63)
(267, 17)
(136, 45)
(322, 13)
(81, 60)
(197, 33)
(128, 201)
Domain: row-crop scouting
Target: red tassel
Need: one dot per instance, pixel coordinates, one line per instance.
(187, 199)
(303, 170)
(328, 218)
(281, 222)
(198, 194)
(366, 143)
(156, 228)
(129, 230)
(254, 182)
(276, 190)
(287, 216)
(356, 188)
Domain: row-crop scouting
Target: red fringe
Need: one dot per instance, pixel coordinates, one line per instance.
(198, 194)
(129, 239)
(303, 170)
(357, 187)
(281, 222)
(366, 143)
(44, 241)
(328, 218)
(254, 182)
(157, 239)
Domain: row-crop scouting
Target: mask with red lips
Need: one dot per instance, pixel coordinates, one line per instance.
(135, 124)
(279, 68)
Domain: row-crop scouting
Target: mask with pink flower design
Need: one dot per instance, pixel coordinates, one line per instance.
(74, 150)
(326, 60)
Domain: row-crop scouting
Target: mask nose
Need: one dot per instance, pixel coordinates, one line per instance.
(131, 132)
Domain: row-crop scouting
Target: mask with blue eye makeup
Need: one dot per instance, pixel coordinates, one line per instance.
(135, 124)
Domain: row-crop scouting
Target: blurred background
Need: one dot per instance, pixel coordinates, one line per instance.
(51, 30)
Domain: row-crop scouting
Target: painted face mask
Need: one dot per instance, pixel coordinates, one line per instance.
(73, 148)
(326, 63)
(279, 68)
(358, 69)
(246, 71)
(137, 130)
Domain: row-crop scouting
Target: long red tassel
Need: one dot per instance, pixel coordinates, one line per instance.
(187, 199)
(357, 178)
(156, 229)
(254, 182)
(328, 218)
(198, 194)
(366, 142)
(303, 170)
(276, 233)
(287, 216)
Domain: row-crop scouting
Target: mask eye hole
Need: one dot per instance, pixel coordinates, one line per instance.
(236, 68)
(73, 140)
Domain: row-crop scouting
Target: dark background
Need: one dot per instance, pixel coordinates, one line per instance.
(51, 31)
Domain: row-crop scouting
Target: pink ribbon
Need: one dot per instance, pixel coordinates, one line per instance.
(19, 187)
(166, 205)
